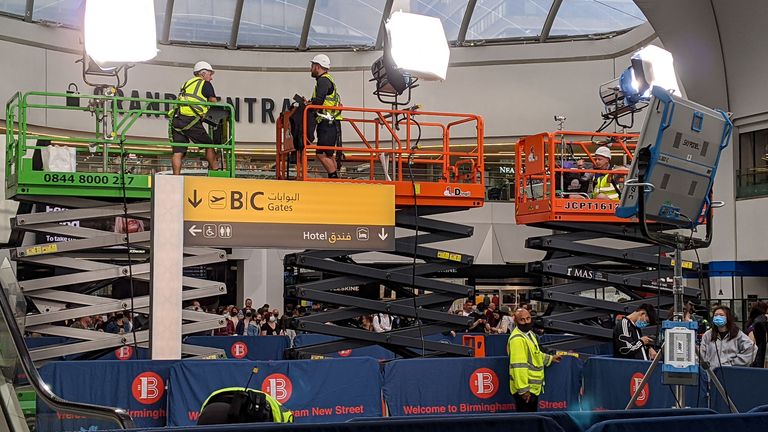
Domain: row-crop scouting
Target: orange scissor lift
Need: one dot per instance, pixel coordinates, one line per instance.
(540, 159)
(590, 248)
(412, 150)
(382, 149)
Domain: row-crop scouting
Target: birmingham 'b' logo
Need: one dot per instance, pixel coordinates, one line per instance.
(484, 383)
(278, 386)
(125, 352)
(239, 350)
(634, 383)
(148, 388)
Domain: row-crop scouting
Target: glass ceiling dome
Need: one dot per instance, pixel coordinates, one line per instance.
(357, 24)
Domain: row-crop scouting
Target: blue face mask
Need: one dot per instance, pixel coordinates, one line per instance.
(641, 324)
(719, 320)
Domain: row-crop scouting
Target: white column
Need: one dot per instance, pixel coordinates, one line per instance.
(260, 277)
(167, 255)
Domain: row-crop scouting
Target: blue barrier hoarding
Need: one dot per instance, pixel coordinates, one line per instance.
(373, 351)
(745, 386)
(316, 391)
(471, 385)
(137, 386)
(609, 384)
(245, 347)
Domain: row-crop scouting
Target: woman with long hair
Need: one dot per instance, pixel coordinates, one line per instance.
(725, 344)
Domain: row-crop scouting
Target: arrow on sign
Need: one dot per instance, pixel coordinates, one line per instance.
(194, 200)
(383, 235)
(194, 230)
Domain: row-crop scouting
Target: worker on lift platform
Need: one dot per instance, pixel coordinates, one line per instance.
(186, 120)
(326, 121)
(604, 186)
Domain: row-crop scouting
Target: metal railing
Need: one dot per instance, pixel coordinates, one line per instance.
(544, 168)
(385, 152)
(101, 151)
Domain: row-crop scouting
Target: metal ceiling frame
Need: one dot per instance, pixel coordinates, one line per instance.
(303, 45)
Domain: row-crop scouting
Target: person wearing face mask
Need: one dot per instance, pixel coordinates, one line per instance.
(526, 363)
(242, 322)
(628, 339)
(725, 344)
(234, 316)
(269, 328)
(254, 327)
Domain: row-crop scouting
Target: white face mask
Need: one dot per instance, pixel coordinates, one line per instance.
(272, 318)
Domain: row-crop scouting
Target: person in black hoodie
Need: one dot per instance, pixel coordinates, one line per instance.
(757, 330)
(628, 339)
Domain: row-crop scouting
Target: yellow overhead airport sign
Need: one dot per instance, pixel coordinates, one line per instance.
(226, 212)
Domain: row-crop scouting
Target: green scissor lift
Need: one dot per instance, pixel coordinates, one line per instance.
(115, 165)
(113, 117)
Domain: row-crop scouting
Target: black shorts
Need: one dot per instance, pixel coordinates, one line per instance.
(197, 133)
(327, 135)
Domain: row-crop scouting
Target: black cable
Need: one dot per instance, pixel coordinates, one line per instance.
(605, 125)
(658, 293)
(416, 235)
(677, 401)
(631, 123)
(698, 389)
(128, 243)
(701, 278)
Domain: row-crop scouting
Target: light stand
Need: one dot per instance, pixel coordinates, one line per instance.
(679, 243)
(388, 94)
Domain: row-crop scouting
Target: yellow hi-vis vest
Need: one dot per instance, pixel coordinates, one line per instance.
(331, 99)
(526, 363)
(604, 186)
(279, 413)
(192, 91)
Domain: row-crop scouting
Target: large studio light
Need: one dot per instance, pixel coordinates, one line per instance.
(120, 31)
(650, 66)
(418, 45)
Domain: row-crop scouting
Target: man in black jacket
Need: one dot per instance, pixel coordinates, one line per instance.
(628, 339)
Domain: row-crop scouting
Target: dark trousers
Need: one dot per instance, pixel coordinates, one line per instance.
(522, 406)
(197, 133)
(327, 134)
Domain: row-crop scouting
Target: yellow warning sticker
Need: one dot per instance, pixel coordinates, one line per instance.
(449, 256)
(41, 249)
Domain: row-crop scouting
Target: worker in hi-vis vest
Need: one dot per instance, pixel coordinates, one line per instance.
(526, 363)
(186, 120)
(327, 122)
(604, 185)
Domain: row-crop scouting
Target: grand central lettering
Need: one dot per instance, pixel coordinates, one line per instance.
(264, 107)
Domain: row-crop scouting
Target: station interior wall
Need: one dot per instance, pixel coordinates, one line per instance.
(516, 88)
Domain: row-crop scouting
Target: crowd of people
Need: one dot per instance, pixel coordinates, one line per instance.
(249, 321)
(721, 340)
(117, 323)
(489, 317)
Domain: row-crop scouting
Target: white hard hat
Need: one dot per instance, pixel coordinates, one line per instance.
(201, 65)
(322, 60)
(604, 152)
